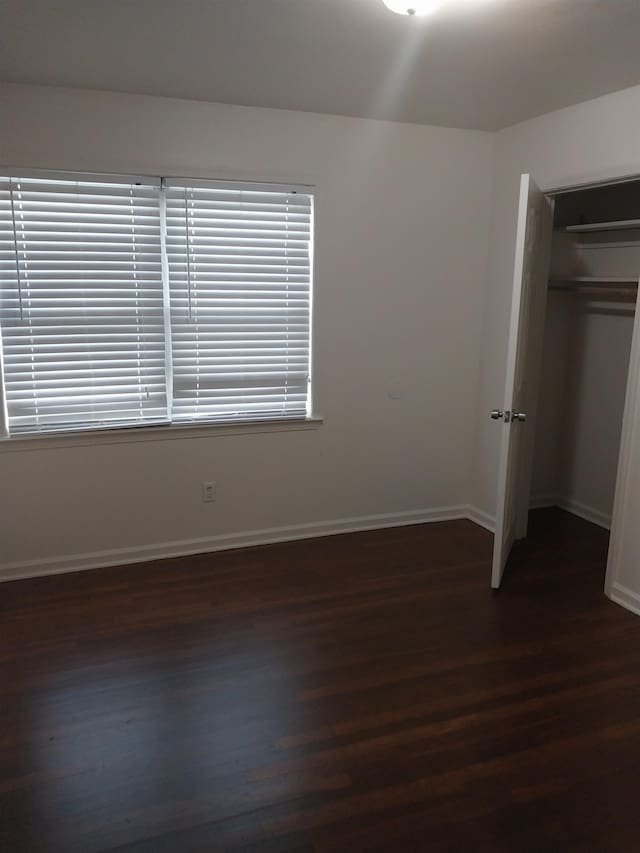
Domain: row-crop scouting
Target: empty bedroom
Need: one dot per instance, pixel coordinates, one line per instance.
(319, 426)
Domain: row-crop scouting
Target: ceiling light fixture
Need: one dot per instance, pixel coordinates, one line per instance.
(413, 7)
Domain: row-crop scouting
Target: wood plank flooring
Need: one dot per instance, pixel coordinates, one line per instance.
(354, 693)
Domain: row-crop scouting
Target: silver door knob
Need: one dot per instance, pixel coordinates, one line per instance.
(497, 415)
(518, 416)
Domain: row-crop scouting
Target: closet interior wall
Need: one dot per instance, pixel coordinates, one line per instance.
(588, 331)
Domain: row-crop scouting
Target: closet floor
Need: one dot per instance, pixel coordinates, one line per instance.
(355, 693)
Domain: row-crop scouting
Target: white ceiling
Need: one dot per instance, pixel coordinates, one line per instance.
(475, 64)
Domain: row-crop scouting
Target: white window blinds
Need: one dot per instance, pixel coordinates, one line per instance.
(81, 308)
(240, 279)
(127, 301)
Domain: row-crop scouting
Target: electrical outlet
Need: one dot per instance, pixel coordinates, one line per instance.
(208, 492)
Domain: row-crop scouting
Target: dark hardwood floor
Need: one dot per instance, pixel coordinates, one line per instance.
(355, 693)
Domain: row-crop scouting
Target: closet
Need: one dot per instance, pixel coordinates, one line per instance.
(570, 414)
(590, 307)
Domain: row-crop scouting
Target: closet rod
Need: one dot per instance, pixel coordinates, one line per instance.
(630, 292)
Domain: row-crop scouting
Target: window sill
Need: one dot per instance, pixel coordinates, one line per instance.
(168, 432)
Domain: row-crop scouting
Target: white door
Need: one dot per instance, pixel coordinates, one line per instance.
(516, 418)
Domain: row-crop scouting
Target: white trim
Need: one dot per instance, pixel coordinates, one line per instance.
(258, 185)
(311, 384)
(599, 179)
(89, 177)
(625, 597)
(227, 541)
(595, 516)
(481, 518)
(162, 432)
(622, 516)
(229, 184)
(588, 513)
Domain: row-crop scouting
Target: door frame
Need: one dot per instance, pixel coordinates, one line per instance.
(631, 413)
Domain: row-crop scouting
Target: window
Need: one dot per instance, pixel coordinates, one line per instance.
(138, 301)
(239, 271)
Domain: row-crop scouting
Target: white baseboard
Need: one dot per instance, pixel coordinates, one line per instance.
(268, 536)
(541, 502)
(482, 518)
(227, 541)
(625, 597)
(595, 516)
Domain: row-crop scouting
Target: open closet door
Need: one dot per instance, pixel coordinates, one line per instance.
(526, 332)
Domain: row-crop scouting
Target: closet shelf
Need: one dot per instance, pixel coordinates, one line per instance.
(594, 281)
(619, 225)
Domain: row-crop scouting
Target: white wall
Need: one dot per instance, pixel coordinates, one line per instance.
(402, 235)
(597, 139)
(586, 362)
(584, 381)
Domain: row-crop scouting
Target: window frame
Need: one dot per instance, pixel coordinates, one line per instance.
(168, 429)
